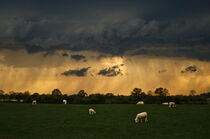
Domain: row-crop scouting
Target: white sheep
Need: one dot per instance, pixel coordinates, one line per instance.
(92, 111)
(64, 101)
(140, 102)
(141, 116)
(165, 103)
(172, 104)
(34, 102)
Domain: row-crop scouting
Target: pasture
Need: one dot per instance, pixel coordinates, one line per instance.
(51, 121)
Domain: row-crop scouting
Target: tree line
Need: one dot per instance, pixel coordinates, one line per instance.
(157, 96)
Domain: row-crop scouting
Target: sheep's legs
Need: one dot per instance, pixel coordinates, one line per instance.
(141, 120)
(146, 120)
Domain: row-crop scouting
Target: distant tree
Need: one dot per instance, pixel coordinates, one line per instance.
(149, 93)
(161, 91)
(109, 95)
(35, 95)
(26, 96)
(136, 92)
(11, 93)
(205, 95)
(97, 98)
(56, 92)
(192, 92)
(1, 92)
(26, 93)
(165, 92)
(82, 93)
(142, 95)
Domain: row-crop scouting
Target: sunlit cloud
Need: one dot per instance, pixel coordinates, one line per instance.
(122, 73)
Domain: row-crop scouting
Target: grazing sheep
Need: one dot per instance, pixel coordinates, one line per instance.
(172, 104)
(92, 111)
(141, 116)
(165, 103)
(64, 101)
(140, 102)
(34, 102)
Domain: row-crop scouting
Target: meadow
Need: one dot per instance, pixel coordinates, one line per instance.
(58, 121)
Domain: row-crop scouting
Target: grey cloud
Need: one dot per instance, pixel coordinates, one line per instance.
(33, 48)
(44, 32)
(80, 72)
(110, 72)
(65, 54)
(149, 29)
(189, 69)
(200, 52)
(78, 57)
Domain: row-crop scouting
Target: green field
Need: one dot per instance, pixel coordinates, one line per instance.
(111, 121)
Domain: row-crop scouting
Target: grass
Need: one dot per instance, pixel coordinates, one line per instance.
(49, 121)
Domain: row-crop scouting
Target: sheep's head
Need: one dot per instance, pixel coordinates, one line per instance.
(136, 120)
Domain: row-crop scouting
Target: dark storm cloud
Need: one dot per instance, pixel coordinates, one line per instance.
(112, 27)
(200, 52)
(78, 57)
(110, 72)
(33, 48)
(80, 72)
(189, 69)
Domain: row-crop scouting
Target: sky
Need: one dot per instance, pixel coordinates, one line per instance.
(104, 46)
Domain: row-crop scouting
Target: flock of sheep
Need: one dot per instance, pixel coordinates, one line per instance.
(143, 115)
(139, 116)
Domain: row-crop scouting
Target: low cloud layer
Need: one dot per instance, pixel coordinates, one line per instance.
(78, 57)
(189, 69)
(80, 72)
(110, 72)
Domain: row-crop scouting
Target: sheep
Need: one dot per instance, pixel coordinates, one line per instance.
(141, 116)
(172, 104)
(165, 103)
(64, 101)
(140, 102)
(34, 102)
(92, 111)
